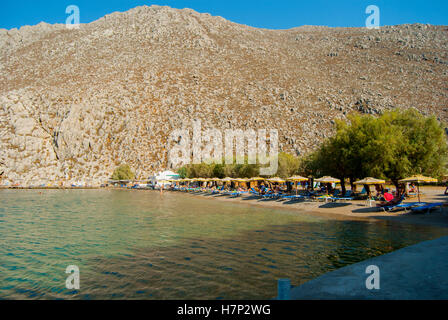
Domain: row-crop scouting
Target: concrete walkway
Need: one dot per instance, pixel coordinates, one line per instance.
(415, 272)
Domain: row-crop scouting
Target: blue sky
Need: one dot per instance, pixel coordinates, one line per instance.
(273, 14)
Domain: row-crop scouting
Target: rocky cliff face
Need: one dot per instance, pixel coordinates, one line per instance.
(76, 103)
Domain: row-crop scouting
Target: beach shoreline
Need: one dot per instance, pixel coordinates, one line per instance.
(352, 210)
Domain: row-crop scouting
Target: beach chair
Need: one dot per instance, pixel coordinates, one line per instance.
(255, 192)
(292, 197)
(427, 207)
(390, 206)
(232, 193)
(277, 195)
(268, 193)
(346, 197)
(409, 205)
(272, 195)
(360, 196)
(324, 197)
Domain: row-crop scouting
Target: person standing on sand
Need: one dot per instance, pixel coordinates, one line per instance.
(446, 190)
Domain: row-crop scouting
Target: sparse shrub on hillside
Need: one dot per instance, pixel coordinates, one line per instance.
(123, 172)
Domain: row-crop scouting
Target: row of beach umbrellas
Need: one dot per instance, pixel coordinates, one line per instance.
(228, 179)
(326, 179)
(366, 181)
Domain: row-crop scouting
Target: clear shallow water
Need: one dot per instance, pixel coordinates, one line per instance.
(140, 245)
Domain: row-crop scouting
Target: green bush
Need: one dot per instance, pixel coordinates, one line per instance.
(123, 172)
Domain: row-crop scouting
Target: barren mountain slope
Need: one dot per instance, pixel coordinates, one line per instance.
(76, 103)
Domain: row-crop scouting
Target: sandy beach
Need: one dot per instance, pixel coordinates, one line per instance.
(351, 210)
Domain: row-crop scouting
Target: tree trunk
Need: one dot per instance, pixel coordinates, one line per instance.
(352, 184)
(343, 188)
(397, 187)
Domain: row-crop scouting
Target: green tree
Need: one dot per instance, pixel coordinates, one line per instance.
(218, 171)
(392, 146)
(182, 172)
(288, 165)
(123, 172)
(410, 144)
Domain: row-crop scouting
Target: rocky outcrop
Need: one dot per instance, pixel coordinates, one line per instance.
(76, 103)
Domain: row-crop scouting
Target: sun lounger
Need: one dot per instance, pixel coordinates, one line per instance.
(232, 193)
(428, 207)
(272, 195)
(389, 207)
(407, 206)
(292, 197)
(268, 195)
(325, 198)
(254, 192)
(346, 197)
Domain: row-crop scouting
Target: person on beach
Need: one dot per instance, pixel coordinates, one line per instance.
(388, 196)
(389, 199)
(379, 191)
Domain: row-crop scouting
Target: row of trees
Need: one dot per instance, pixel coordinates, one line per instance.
(287, 166)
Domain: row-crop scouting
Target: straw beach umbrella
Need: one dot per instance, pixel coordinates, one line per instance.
(370, 181)
(276, 180)
(187, 180)
(214, 181)
(297, 179)
(241, 180)
(227, 180)
(201, 181)
(418, 179)
(328, 180)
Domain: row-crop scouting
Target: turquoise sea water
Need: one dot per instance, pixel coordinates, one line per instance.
(141, 245)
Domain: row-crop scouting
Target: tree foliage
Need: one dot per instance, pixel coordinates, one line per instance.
(288, 165)
(393, 146)
(123, 172)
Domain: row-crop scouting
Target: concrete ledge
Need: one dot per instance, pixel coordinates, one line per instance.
(416, 272)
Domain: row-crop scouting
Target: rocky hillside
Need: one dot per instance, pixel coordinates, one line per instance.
(76, 103)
